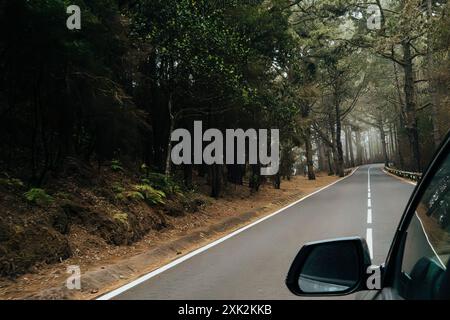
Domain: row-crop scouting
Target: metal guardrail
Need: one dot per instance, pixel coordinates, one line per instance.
(414, 176)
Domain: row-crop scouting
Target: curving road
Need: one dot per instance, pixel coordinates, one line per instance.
(253, 264)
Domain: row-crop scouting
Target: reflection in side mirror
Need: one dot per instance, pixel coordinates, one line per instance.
(329, 267)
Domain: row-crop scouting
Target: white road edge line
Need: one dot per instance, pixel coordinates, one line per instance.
(370, 241)
(172, 264)
(428, 240)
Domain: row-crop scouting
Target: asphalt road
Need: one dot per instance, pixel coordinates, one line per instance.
(253, 264)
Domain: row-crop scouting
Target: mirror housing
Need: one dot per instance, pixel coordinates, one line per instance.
(331, 267)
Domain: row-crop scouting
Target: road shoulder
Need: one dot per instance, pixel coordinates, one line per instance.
(105, 277)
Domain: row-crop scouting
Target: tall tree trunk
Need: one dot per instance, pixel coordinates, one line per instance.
(309, 154)
(330, 162)
(338, 142)
(333, 153)
(431, 83)
(383, 143)
(371, 152)
(401, 121)
(392, 142)
(410, 106)
(350, 146)
(169, 139)
(347, 148)
(359, 149)
(401, 161)
(321, 156)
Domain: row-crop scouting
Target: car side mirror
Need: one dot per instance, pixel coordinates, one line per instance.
(333, 267)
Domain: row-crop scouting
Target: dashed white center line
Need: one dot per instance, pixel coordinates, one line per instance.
(370, 241)
(369, 238)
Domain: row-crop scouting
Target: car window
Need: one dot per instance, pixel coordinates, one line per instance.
(427, 245)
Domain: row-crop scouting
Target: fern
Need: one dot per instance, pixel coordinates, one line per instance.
(116, 166)
(143, 192)
(38, 196)
(161, 182)
(150, 194)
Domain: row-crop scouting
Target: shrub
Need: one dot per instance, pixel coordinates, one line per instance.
(38, 196)
(143, 192)
(161, 182)
(116, 166)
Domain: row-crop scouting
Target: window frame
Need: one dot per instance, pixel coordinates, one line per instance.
(392, 270)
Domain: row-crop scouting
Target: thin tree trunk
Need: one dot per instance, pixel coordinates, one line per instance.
(383, 144)
(338, 141)
(359, 149)
(347, 148)
(401, 161)
(330, 162)
(350, 142)
(401, 122)
(392, 142)
(323, 166)
(169, 139)
(371, 153)
(309, 154)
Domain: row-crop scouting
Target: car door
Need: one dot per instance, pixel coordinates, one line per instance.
(418, 263)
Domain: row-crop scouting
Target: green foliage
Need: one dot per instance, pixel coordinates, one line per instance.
(246, 64)
(162, 182)
(11, 182)
(121, 217)
(116, 166)
(150, 194)
(143, 192)
(38, 196)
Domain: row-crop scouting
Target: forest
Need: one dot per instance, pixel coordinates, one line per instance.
(346, 83)
(341, 92)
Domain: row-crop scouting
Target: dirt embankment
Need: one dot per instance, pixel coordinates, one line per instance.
(114, 238)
